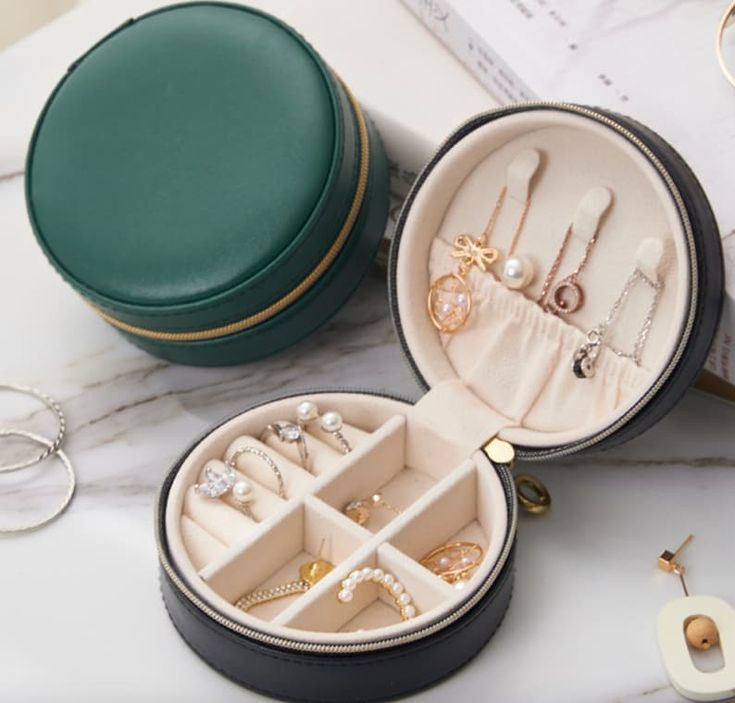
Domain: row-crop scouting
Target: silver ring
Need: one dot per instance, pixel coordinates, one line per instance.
(289, 433)
(331, 423)
(61, 456)
(262, 455)
(51, 446)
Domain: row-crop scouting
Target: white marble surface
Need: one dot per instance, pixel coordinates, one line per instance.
(80, 612)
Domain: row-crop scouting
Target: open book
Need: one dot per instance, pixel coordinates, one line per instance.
(653, 60)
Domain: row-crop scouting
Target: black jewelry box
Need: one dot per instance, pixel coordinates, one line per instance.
(500, 387)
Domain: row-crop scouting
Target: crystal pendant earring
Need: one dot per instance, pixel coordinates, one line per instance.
(696, 623)
(450, 299)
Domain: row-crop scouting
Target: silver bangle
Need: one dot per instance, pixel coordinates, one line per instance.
(61, 456)
(289, 433)
(51, 446)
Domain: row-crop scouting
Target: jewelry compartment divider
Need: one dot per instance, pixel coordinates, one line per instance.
(273, 557)
(425, 476)
(401, 466)
(471, 512)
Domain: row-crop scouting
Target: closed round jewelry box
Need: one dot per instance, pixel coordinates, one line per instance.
(207, 184)
(274, 559)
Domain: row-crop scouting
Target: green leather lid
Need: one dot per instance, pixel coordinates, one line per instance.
(191, 158)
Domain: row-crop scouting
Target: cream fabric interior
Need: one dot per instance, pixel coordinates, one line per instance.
(512, 355)
(444, 489)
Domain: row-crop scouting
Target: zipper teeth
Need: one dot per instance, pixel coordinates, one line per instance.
(293, 294)
(537, 455)
(317, 648)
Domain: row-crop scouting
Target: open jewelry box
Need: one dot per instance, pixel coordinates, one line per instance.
(279, 570)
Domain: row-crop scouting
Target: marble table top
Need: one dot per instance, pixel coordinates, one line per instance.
(81, 617)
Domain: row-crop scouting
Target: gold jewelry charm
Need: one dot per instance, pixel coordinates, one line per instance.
(310, 574)
(450, 299)
(454, 562)
(384, 580)
(359, 510)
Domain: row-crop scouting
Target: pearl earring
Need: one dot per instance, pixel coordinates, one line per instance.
(384, 580)
(518, 272)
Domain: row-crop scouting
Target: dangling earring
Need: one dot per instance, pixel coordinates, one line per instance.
(700, 622)
(450, 298)
(567, 296)
(518, 270)
(644, 273)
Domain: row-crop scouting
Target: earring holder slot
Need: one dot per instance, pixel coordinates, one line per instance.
(203, 547)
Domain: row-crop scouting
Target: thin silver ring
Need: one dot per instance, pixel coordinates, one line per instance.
(279, 429)
(232, 462)
(61, 456)
(53, 446)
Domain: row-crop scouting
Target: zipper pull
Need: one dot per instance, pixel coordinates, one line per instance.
(532, 494)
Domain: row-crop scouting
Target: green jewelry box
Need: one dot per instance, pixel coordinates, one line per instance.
(207, 184)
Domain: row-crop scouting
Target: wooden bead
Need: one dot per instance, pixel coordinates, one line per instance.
(701, 632)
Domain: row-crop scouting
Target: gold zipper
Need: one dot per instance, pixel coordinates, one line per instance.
(295, 293)
(502, 470)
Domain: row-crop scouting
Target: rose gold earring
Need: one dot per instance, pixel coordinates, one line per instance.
(359, 510)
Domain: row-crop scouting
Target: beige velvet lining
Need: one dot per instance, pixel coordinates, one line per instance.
(512, 355)
(443, 490)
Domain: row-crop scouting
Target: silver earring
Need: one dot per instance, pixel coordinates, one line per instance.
(583, 363)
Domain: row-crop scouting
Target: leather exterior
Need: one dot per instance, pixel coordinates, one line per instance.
(708, 261)
(195, 166)
(293, 675)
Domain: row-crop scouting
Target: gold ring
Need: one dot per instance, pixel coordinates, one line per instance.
(727, 18)
(533, 495)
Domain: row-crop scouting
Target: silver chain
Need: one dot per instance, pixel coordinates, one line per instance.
(586, 355)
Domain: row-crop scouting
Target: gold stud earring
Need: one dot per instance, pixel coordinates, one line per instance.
(695, 623)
